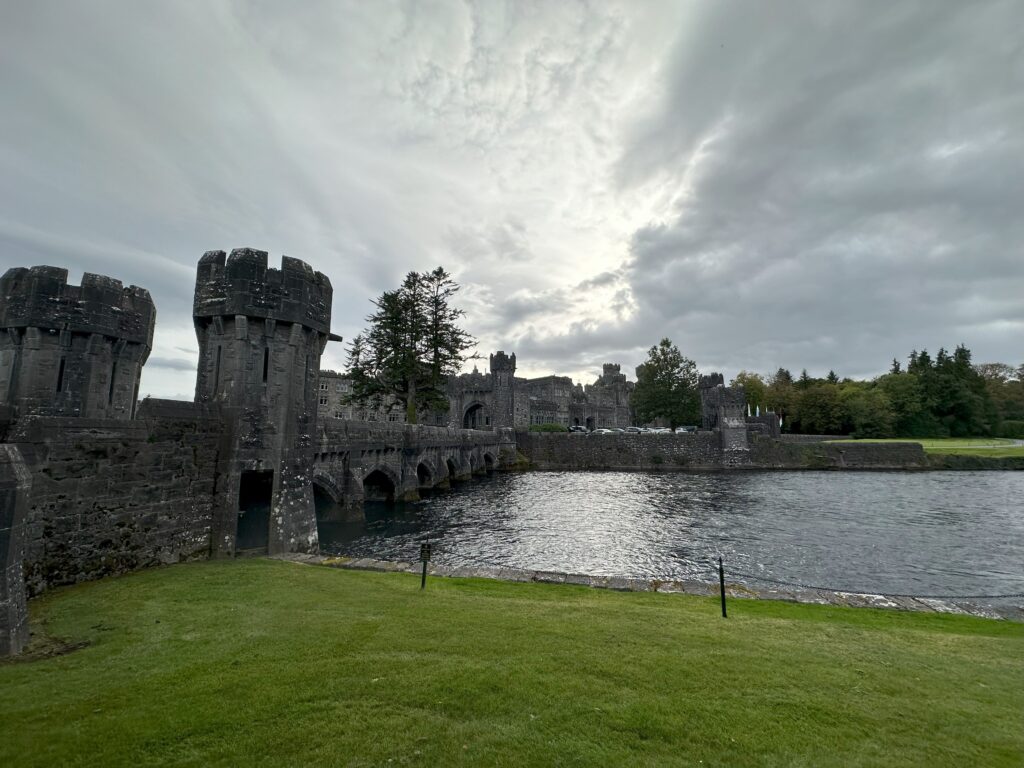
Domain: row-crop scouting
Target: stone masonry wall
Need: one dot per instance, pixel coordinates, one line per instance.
(111, 496)
(622, 451)
(774, 454)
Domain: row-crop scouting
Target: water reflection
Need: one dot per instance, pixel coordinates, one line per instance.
(921, 533)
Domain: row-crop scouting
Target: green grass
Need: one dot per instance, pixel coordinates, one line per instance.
(993, 447)
(258, 662)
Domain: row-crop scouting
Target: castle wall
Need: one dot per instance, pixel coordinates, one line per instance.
(15, 482)
(621, 451)
(110, 496)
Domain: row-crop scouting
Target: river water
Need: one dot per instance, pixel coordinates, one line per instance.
(921, 533)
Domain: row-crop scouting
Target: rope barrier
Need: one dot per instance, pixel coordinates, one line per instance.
(767, 579)
(875, 592)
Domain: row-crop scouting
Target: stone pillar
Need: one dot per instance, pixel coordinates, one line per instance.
(15, 482)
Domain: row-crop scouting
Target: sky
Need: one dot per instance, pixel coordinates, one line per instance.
(820, 185)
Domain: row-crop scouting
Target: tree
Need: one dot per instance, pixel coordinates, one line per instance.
(754, 388)
(666, 387)
(412, 344)
(832, 378)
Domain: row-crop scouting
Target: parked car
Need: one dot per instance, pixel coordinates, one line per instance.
(578, 428)
(634, 430)
(603, 431)
(687, 428)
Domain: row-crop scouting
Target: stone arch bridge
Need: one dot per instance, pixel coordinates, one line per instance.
(355, 462)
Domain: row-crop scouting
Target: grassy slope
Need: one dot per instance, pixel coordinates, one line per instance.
(271, 663)
(992, 447)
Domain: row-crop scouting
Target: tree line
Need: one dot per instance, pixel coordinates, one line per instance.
(944, 396)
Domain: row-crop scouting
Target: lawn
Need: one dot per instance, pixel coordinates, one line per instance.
(994, 447)
(260, 662)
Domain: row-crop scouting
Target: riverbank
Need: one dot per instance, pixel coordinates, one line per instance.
(266, 662)
(733, 590)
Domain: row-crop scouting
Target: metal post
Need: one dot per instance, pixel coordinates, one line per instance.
(721, 584)
(424, 558)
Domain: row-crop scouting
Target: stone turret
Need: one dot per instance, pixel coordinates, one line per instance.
(69, 350)
(723, 409)
(503, 378)
(261, 332)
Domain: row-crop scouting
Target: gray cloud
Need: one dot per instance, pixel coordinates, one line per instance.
(823, 185)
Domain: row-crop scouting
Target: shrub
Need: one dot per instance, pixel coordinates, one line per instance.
(1014, 429)
(548, 428)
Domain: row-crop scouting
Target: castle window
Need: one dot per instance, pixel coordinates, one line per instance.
(60, 376)
(339, 414)
(113, 378)
(266, 363)
(323, 386)
(323, 401)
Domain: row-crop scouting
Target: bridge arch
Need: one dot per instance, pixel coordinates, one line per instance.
(426, 475)
(489, 461)
(380, 484)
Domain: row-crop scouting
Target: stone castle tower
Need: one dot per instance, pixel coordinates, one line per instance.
(261, 332)
(503, 378)
(723, 409)
(69, 350)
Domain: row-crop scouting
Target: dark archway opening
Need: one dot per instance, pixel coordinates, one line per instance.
(325, 505)
(474, 418)
(255, 490)
(575, 422)
(590, 424)
(452, 471)
(378, 487)
(488, 462)
(424, 478)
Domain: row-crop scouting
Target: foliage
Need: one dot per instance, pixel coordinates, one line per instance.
(666, 387)
(931, 398)
(262, 662)
(412, 344)
(550, 427)
(753, 387)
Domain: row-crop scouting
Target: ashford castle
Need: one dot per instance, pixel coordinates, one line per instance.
(94, 482)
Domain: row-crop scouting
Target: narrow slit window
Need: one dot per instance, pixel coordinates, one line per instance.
(113, 378)
(266, 363)
(60, 376)
(216, 371)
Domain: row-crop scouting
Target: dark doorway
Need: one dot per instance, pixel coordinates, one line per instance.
(378, 487)
(255, 489)
(590, 424)
(474, 418)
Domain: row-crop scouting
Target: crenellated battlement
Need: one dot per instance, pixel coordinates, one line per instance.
(40, 297)
(711, 380)
(242, 284)
(501, 362)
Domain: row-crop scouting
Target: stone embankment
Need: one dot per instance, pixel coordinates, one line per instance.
(703, 451)
(675, 586)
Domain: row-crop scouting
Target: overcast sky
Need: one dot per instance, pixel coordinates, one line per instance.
(814, 184)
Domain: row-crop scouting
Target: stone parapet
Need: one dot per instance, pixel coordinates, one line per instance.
(40, 297)
(242, 284)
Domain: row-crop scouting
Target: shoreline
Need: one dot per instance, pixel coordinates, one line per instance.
(676, 586)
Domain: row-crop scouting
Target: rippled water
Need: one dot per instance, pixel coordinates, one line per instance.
(949, 533)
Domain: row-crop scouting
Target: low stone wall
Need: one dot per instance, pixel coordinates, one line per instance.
(112, 496)
(621, 451)
(774, 454)
(809, 438)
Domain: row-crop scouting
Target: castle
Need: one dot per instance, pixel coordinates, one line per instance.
(501, 399)
(93, 482)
